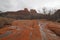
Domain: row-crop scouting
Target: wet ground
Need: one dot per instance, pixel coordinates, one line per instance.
(30, 30)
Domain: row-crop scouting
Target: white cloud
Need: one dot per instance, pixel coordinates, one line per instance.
(6, 5)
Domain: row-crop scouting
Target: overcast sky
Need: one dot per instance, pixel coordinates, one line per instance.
(10, 5)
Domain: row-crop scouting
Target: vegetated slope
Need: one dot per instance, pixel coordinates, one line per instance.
(31, 30)
(32, 14)
(5, 21)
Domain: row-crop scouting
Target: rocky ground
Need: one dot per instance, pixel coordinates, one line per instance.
(31, 30)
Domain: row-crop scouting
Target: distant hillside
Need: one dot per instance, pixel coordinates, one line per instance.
(22, 14)
(32, 14)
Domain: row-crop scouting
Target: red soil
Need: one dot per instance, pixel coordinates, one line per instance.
(31, 30)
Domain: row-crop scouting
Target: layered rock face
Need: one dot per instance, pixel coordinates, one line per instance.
(30, 30)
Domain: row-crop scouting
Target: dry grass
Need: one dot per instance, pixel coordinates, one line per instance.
(5, 21)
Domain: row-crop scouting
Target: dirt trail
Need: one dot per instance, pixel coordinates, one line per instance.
(29, 30)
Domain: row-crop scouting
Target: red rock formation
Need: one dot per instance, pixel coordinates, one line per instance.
(32, 11)
(25, 11)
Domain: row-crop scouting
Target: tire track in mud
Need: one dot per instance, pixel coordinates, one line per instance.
(46, 33)
(41, 28)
